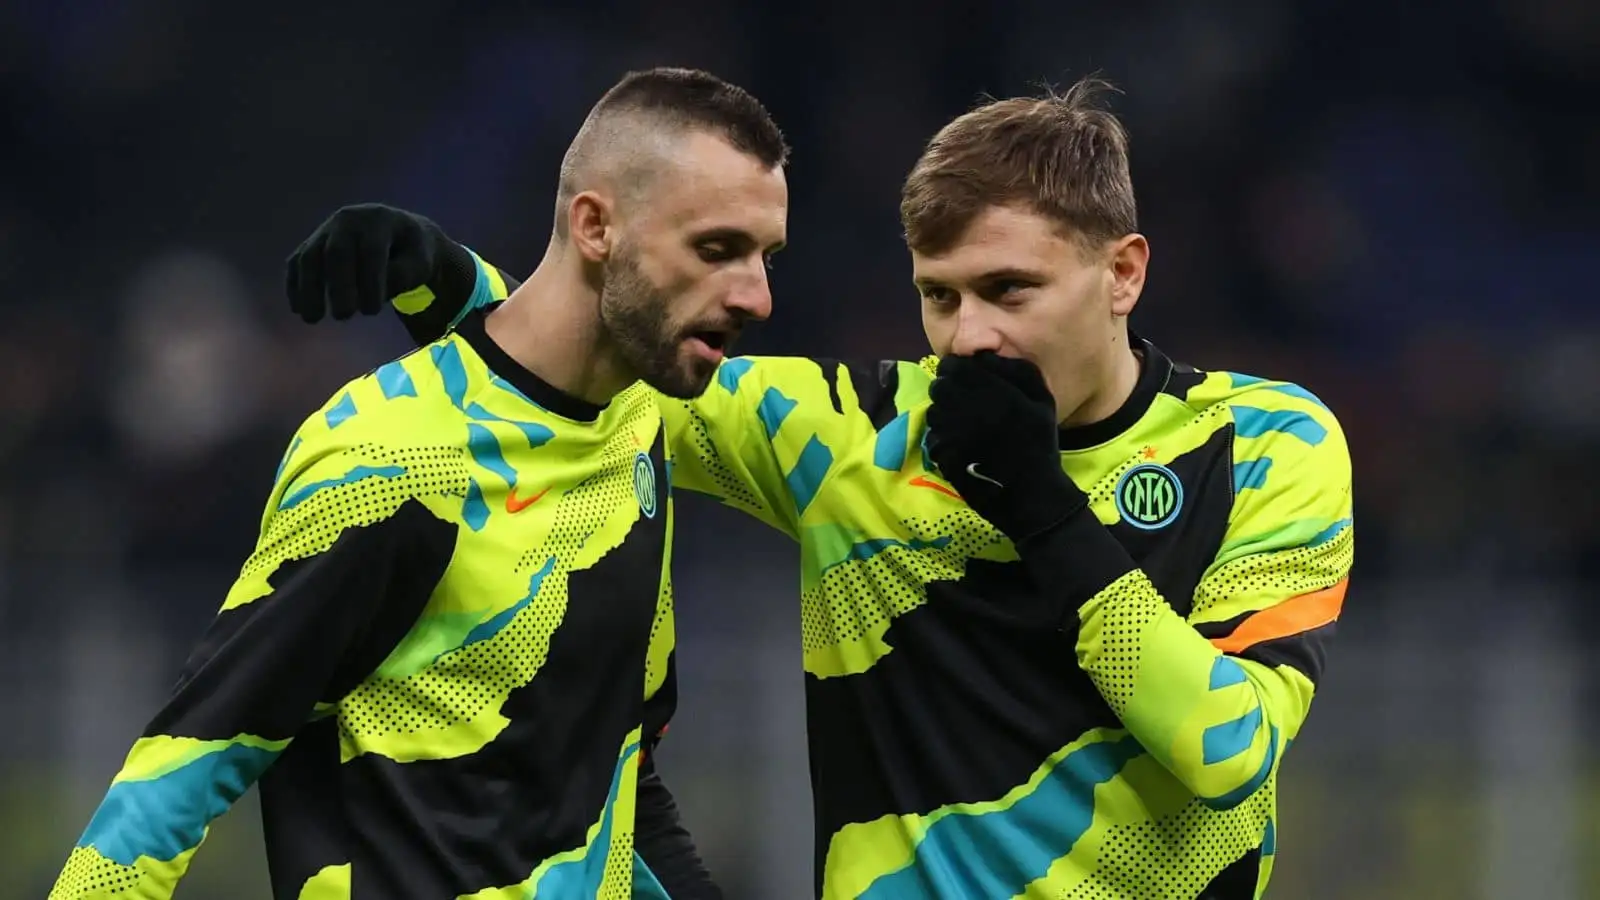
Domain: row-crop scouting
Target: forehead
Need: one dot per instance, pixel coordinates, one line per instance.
(706, 184)
(1001, 237)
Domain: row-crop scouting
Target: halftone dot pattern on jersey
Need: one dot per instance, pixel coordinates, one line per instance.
(731, 487)
(457, 687)
(1104, 490)
(1296, 571)
(618, 881)
(87, 872)
(611, 487)
(1130, 603)
(655, 669)
(307, 529)
(464, 684)
(838, 610)
(1179, 854)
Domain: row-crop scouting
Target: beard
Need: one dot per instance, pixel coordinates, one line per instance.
(635, 314)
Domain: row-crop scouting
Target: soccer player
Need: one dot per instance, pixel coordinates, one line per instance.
(1065, 601)
(451, 654)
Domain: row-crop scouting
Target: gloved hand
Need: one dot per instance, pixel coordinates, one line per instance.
(992, 434)
(366, 255)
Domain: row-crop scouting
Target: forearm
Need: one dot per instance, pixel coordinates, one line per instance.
(158, 811)
(1216, 722)
(292, 633)
(664, 844)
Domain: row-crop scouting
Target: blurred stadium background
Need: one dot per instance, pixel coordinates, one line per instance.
(1395, 204)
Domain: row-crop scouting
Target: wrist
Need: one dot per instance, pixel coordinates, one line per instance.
(484, 290)
(456, 275)
(1075, 559)
(1047, 502)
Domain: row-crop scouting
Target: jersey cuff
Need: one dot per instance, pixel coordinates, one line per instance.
(1075, 560)
(459, 279)
(483, 288)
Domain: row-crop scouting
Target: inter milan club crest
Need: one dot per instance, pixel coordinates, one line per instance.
(1149, 496)
(644, 484)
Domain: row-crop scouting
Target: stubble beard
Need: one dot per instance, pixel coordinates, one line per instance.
(635, 314)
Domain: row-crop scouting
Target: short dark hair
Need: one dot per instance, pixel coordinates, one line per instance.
(698, 99)
(1060, 155)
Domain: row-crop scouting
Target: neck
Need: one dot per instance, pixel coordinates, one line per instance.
(551, 326)
(1119, 377)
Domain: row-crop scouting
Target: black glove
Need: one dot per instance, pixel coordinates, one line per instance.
(366, 255)
(992, 433)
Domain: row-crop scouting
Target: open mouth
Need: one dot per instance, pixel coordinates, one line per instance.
(711, 343)
(714, 340)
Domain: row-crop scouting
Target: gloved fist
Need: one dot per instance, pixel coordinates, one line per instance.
(992, 434)
(363, 256)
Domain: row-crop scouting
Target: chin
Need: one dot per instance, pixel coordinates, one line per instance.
(687, 381)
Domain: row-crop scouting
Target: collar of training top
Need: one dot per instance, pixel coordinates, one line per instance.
(532, 386)
(1154, 370)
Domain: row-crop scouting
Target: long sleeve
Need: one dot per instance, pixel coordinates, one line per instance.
(1217, 697)
(759, 440)
(336, 578)
(763, 438)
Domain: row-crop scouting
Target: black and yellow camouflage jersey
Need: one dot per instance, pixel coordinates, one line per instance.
(444, 662)
(957, 752)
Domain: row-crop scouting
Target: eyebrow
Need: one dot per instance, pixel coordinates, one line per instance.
(1009, 273)
(735, 236)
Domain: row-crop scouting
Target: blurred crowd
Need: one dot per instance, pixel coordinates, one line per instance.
(1394, 205)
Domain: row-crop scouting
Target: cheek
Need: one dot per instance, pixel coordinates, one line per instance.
(692, 300)
(1074, 322)
(677, 277)
(674, 283)
(1059, 342)
(667, 265)
(938, 330)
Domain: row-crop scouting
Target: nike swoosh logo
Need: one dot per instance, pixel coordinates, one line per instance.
(921, 482)
(972, 469)
(513, 505)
